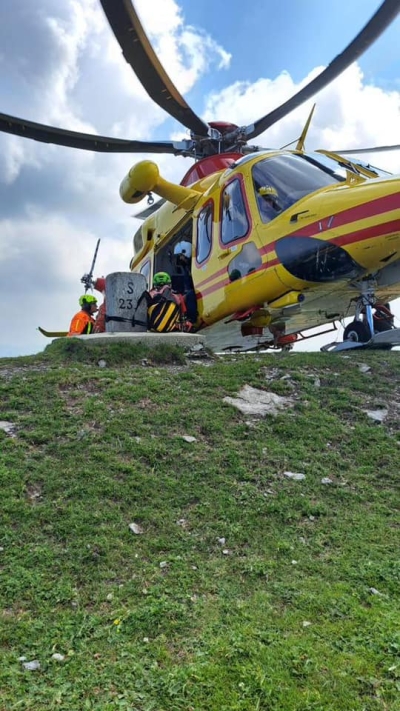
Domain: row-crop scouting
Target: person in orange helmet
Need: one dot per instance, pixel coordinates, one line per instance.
(83, 322)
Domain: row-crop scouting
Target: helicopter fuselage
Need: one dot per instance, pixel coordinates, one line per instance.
(273, 230)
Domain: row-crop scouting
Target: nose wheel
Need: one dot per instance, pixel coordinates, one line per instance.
(370, 318)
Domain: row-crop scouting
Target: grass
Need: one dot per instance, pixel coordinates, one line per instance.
(296, 610)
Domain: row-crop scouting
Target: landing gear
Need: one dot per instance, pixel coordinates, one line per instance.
(370, 317)
(357, 331)
(373, 326)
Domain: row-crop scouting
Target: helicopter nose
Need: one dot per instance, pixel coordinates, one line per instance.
(315, 260)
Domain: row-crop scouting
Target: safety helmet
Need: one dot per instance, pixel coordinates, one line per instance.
(161, 279)
(184, 248)
(87, 299)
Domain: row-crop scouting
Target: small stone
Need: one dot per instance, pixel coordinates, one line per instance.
(135, 528)
(226, 551)
(311, 518)
(376, 415)
(146, 640)
(8, 428)
(31, 666)
(221, 541)
(364, 368)
(326, 480)
(189, 439)
(306, 623)
(102, 363)
(163, 564)
(194, 567)
(374, 591)
(296, 476)
(294, 562)
(181, 522)
(58, 657)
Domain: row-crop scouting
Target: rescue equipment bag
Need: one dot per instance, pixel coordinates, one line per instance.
(163, 313)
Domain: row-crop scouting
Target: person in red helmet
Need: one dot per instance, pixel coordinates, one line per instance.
(83, 322)
(100, 325)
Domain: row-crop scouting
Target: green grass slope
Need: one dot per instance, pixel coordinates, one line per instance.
(245, 590)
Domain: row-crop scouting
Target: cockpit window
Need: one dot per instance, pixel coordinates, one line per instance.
(234, 222)
(282, 180)
(333, 167)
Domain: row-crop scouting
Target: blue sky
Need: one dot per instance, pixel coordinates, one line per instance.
(265, 37)
(60, 64)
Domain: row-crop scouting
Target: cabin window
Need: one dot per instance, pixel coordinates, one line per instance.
(145, 270)
(204, 233)
(234, 222)
(247, 261)
(138, 241)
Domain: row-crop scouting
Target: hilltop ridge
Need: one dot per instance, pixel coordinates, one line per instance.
(160, 550)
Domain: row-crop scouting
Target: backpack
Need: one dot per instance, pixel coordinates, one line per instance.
(163, 313)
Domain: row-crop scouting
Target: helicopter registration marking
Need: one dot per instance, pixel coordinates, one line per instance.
(328, 224)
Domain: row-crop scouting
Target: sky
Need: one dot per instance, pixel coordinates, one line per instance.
(61, 65)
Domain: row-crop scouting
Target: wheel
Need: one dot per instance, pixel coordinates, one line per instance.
(357, 331)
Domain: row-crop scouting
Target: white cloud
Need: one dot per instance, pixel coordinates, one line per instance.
(349, 113)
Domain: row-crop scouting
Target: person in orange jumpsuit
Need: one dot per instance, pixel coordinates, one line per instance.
(83, 322)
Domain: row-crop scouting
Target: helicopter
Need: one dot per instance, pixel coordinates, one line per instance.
(280, 241)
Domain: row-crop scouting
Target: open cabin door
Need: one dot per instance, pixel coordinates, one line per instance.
(174, 256)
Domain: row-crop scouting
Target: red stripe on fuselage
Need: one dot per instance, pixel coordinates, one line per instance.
(353, 214)
(367, 233)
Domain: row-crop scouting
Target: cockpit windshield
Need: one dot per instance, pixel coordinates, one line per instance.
(280, 181)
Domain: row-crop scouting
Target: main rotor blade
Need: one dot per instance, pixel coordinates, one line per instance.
(377, 24)
(139, 53)
(85, 141)
(376, 149)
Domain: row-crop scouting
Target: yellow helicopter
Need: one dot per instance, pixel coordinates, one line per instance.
(267, 243)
